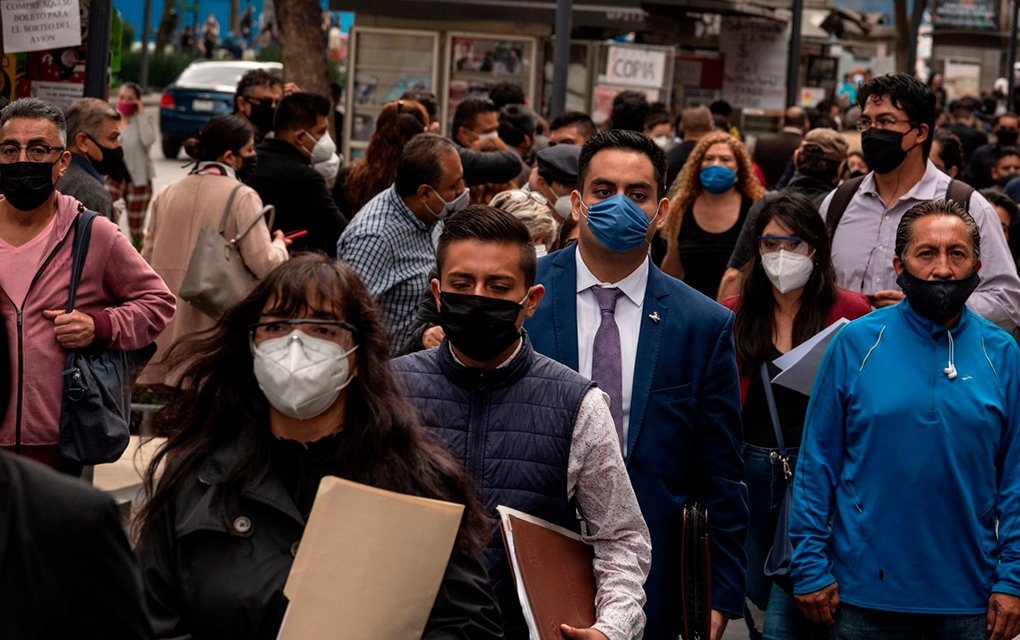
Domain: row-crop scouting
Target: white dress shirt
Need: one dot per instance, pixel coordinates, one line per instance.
(628, 320)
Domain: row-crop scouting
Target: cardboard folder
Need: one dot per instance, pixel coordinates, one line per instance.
(369, 564)
(553, 571)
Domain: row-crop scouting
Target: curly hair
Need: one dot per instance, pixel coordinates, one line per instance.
(218, 402)
(397, 123)
(687, 186)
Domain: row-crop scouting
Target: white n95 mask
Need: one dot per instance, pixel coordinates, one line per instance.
(301, 376)
(787, 270)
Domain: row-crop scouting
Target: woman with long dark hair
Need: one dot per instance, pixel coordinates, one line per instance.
(291, 385)
(789, 295)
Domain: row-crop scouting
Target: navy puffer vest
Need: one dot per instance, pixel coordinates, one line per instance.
(511, 428)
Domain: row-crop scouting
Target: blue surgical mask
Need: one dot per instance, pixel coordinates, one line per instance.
(716, 178)
(617, 223)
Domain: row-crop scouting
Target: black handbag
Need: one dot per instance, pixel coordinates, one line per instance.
(95, 409)
(695, 574)
(777, 562)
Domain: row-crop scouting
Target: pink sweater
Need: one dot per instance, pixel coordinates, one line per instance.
(128, 301)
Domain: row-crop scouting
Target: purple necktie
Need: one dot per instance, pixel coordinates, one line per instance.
(606, 366)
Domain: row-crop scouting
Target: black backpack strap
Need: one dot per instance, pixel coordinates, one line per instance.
(841, 198)
(79, 249)
(960, 192)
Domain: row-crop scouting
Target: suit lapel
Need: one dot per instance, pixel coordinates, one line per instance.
(654, 320)
(563, 287)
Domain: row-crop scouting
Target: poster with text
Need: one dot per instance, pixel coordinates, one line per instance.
(37, 25)
(754, 71)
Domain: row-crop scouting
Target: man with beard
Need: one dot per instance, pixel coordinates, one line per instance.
(896, 124)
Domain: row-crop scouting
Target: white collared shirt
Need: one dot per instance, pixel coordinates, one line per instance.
(628, 320)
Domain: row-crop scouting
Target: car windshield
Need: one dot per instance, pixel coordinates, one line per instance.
(209, 74)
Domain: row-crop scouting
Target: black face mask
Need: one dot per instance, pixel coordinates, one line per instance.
(262, 115)
(883, 150)
(1007, 138)
(938, 300)
(27, 185)
(480, 327)
(857, 174)
(248, 164)
(112, 162)
(1002, 181)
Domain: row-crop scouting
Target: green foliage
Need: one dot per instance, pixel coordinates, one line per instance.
(163, 67)
(269, 54)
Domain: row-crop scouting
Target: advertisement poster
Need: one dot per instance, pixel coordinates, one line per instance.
(755, 52)
(57, 74)
(979, 15)
(37, 25)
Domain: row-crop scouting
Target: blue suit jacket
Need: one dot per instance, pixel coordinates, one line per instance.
(684, 435)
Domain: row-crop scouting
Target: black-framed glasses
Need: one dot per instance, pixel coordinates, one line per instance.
(881, 122)
(336, 331)
(11, 152)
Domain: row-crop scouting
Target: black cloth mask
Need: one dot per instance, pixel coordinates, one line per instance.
(262, 115)
(248, 164)
(1007, 138)
(111, 163)
(479, 326)
(938, 300)
(883, 150)
(27, 185)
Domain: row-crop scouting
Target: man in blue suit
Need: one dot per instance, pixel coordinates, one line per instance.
(672, 380)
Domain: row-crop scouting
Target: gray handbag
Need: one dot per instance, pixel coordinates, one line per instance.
(217, 278)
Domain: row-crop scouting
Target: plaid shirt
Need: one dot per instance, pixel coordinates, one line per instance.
(393, 252)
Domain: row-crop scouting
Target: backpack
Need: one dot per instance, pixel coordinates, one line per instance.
(958, 191)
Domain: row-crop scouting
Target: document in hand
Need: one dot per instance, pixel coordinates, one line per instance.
(553, 571)
(369, 564)
(800, 365)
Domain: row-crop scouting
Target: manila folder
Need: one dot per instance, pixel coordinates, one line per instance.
(553, 571)
(369, 564)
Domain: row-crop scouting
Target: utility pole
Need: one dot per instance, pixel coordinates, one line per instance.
(143, 77)
(793, 57)
(561, 58)
(97, 53)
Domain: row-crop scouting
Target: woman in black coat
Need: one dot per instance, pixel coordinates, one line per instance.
(291, 385)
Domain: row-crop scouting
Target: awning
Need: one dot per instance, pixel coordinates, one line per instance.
(757, 8)
(621, 15)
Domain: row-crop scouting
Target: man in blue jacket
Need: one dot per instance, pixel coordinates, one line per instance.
(664, 356)
(906, 502)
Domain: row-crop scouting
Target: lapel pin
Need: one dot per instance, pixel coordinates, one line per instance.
(654, 317)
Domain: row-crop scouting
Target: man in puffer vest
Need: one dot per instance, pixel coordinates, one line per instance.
(535, 435)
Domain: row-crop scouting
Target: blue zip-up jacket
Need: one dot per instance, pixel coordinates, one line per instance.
(913, 466)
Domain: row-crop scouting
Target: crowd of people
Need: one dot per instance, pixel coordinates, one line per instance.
(578, 322)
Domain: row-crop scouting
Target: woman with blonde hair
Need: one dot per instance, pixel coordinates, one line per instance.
(362, 179)
(709, 202)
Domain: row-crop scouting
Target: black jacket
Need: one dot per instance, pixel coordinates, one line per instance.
(66, 569)
(217, 564)
(283, 178)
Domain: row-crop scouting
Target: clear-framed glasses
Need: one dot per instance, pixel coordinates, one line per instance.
(338, 331)
(881, 122)
(519, 196)
(11, 152)
(793, 244)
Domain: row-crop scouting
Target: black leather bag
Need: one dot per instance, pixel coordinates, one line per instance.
(777, 562)
(695, 574)
(95, 411)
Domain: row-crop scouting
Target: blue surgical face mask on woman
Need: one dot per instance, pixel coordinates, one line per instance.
(617, 223)
(716, 178)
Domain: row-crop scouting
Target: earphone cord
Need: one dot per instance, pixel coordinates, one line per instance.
(951, 366)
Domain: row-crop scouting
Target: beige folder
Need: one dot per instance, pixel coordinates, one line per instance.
(369, 564)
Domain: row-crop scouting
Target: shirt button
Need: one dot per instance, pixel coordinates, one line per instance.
(294, 548)
(242, 524)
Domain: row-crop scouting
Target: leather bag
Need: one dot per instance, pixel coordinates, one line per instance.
(777, 562)
(95, 411)
(217, 278)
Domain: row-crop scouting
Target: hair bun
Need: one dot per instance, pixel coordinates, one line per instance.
(193, 147)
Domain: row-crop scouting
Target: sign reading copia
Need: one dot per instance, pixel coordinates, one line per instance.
(635, 66)
(37, 25)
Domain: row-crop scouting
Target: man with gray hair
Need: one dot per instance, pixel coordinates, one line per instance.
(695, 124)
(391, 242)
(905, 518)
(121, 302)
(93, 138)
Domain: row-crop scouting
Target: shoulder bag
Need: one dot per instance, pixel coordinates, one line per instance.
(95, 410)
(777, 562)
(216, 277)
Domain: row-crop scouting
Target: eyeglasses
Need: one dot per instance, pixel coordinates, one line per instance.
(11, 152)
(258, 101)
(881, 122)
(336, 331)
(793, 244)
